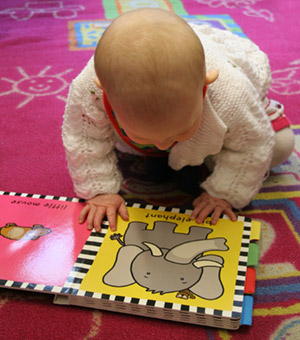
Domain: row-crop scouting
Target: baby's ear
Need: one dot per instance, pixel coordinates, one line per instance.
(97, 82)
(211, 76)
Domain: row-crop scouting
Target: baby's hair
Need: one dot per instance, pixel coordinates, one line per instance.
(148, 60)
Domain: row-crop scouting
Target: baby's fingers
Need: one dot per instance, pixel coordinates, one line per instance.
(90, 217)
(123, 212)
(84, 212)
(203, 213)
(197, 209)
(112, 218)
(216, 214)
(100, 213)
(230, 214)
(220, 210)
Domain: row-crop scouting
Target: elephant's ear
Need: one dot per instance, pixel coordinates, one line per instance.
(120, 274)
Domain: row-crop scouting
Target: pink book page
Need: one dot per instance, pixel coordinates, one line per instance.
(40, 239)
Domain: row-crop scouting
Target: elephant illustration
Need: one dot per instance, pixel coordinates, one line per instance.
(164, 261)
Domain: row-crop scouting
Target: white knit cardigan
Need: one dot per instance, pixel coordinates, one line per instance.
(235, 133)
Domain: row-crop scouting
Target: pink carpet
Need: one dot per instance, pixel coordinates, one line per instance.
(44, 45)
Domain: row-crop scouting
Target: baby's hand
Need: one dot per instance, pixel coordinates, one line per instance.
(100, 206)
(206, 204)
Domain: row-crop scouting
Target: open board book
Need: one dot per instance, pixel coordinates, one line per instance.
(158, 264)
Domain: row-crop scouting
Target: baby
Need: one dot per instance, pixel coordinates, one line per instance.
(160, 87)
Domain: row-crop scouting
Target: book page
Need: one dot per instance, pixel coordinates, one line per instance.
(147, 263)
(40, 239)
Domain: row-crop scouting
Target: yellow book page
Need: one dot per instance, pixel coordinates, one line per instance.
(106, 258)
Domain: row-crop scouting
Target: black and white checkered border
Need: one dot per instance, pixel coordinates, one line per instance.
(32, 287)
(87, 257)
(85, 260)
(242, 268)
(47, 197)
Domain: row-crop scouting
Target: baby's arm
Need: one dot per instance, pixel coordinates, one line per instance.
(236, 178)
(89, 143)
(244, 161)
(242, 164)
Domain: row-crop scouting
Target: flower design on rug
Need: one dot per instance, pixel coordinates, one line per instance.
(286, 81)
(57, 8)
(246, 5)
(33, 86)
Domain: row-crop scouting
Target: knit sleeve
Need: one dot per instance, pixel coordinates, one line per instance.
(89, 139)
(241, 165)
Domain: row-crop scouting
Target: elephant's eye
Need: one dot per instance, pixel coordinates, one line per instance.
(182, 278)
(148, 273)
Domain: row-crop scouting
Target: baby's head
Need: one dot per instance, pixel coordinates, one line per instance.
(151, 66)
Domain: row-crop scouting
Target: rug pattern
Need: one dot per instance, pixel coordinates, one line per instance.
(44, 45)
